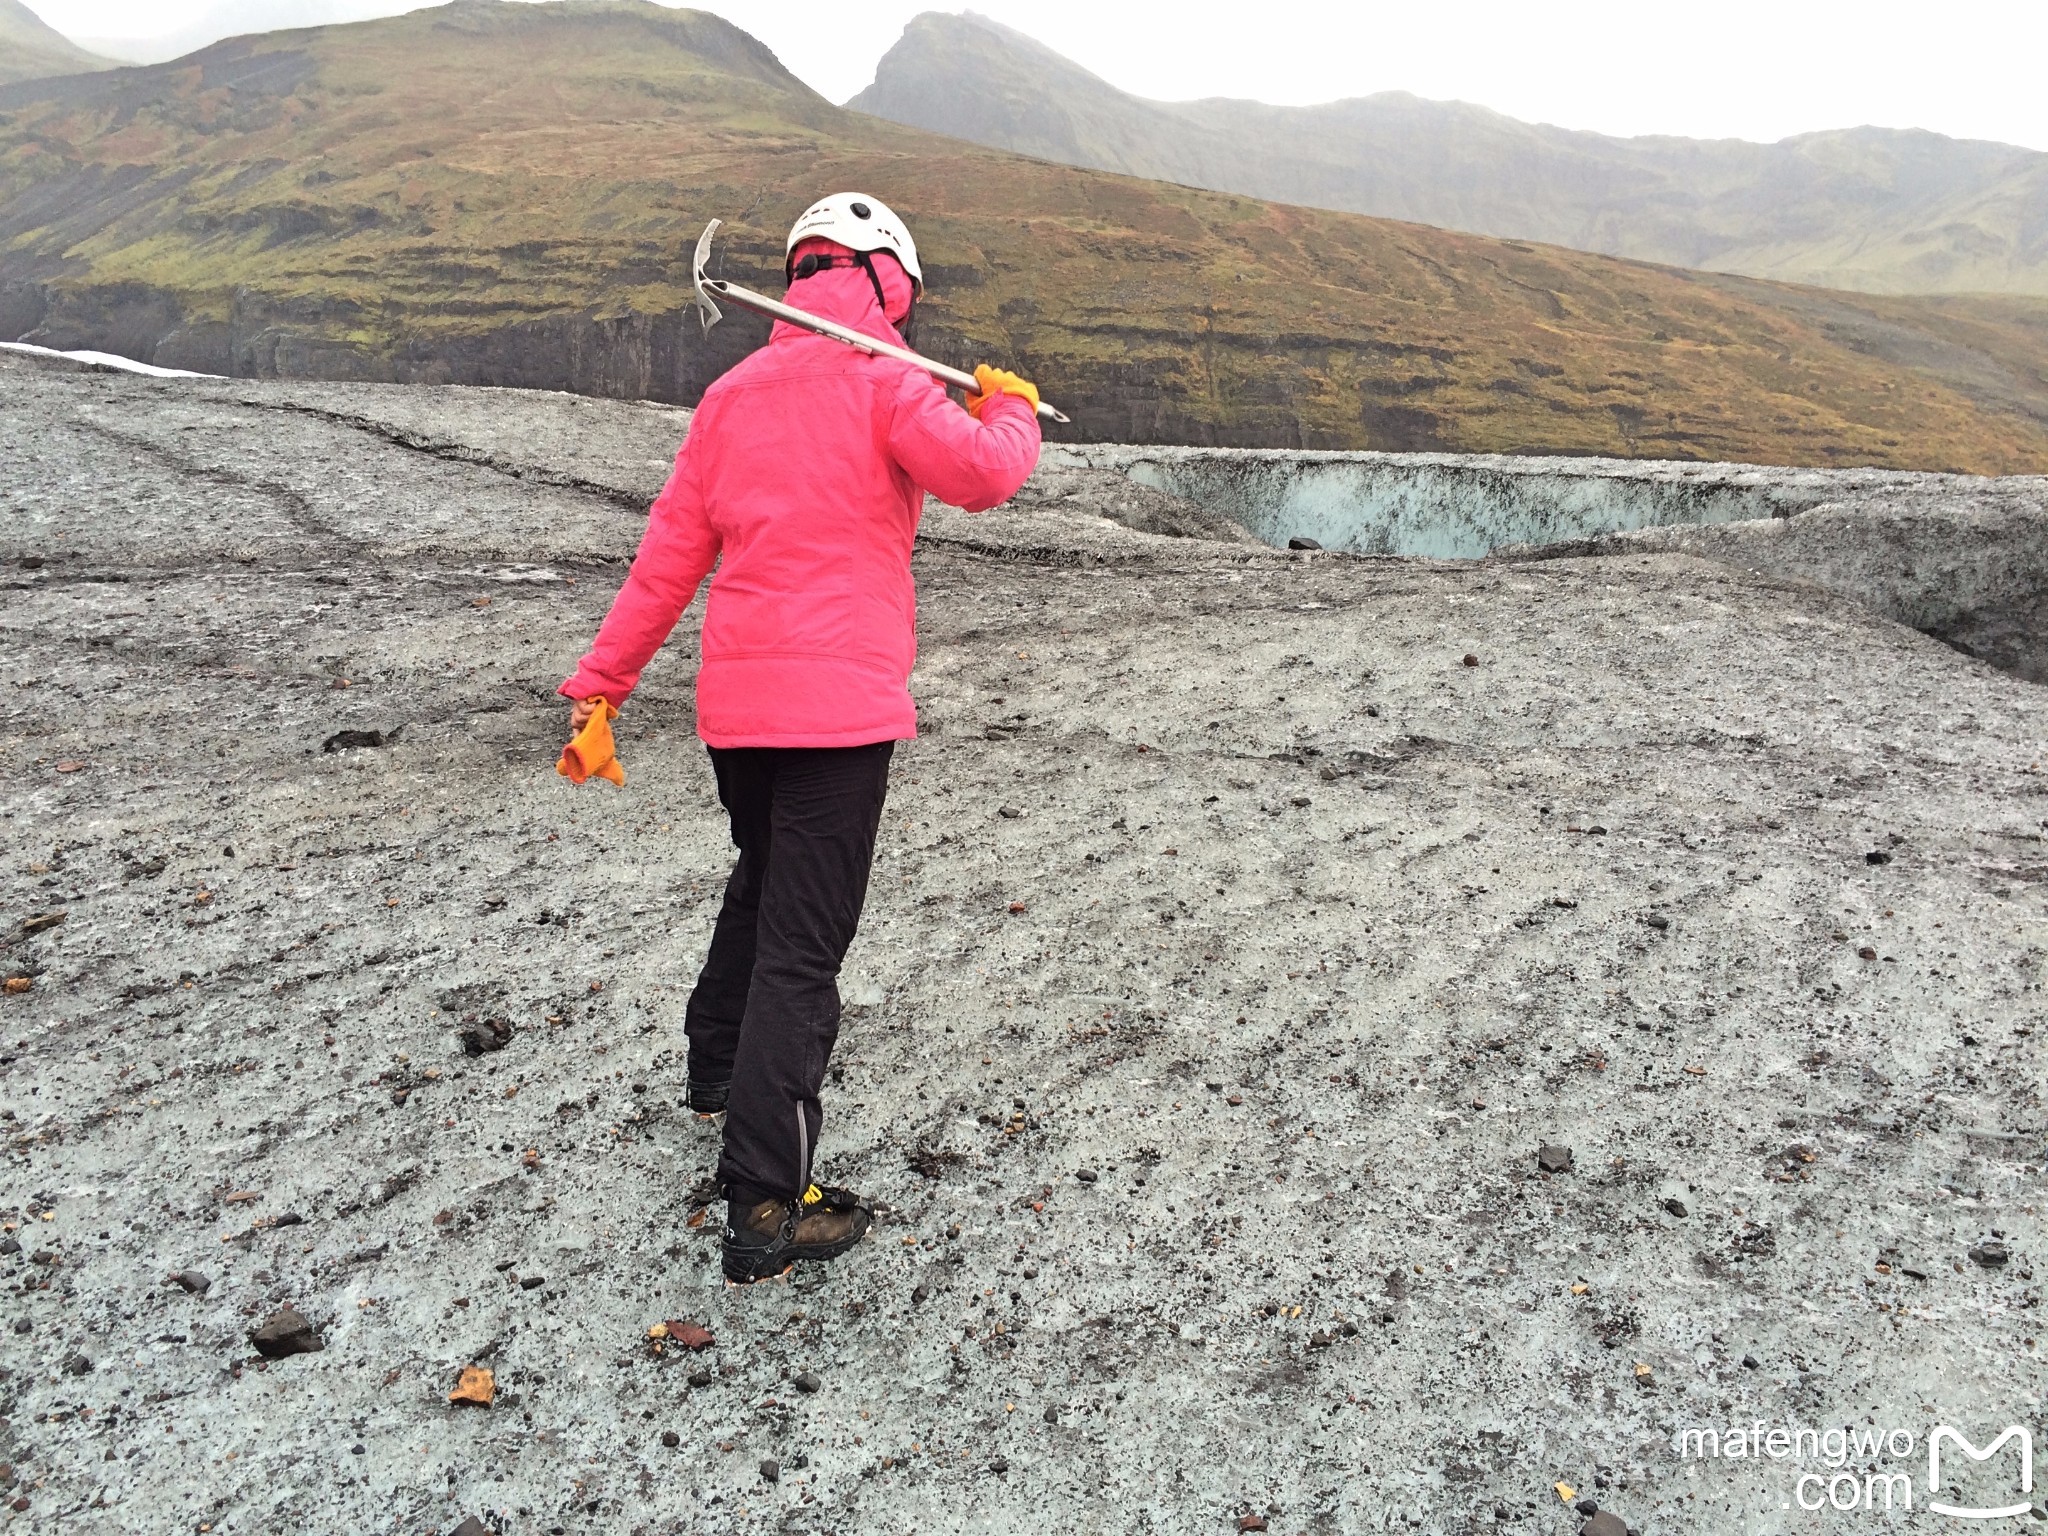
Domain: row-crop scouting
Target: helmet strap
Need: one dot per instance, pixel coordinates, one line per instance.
(868, 266)
(815, 263)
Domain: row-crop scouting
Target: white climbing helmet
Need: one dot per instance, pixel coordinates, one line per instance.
(860, 223)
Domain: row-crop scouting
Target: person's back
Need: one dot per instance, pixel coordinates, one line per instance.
(802, 478)
(812, 464)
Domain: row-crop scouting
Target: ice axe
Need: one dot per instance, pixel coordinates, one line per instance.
(761, 304)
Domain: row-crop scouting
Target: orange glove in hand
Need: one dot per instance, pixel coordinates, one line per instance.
(592, 754)
(990, 382)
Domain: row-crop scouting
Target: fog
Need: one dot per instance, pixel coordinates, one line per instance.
(1761, 71)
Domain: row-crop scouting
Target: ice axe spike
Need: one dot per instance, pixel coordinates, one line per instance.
(761, 304)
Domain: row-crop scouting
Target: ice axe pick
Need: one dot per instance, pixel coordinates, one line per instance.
(761, 304)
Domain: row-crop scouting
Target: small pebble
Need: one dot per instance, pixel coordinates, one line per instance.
(671, 1439)
(807, 1381)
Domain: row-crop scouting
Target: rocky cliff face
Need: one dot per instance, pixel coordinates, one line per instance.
(664, 356)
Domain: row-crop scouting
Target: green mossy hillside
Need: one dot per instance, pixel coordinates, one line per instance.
(508, 194)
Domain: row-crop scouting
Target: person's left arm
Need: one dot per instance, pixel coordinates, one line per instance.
(676, 554)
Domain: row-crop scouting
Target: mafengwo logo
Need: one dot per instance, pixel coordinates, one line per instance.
(1943, 1434)
(1854, 1475)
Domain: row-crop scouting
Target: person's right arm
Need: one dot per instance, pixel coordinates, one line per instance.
(676, 553)
(970, 463)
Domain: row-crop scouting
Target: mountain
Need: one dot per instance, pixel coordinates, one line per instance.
(1871, 209)
(239, 18)
(507, 194)
(31, 49)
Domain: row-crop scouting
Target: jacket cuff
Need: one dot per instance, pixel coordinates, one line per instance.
(580, 687)
(1005, 399)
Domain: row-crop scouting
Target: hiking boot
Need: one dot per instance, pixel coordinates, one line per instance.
(709, 1098)
(763, 1239)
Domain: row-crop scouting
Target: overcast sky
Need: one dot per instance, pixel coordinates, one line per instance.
(1753, 69)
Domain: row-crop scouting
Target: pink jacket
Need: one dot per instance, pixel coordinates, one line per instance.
(802, 477)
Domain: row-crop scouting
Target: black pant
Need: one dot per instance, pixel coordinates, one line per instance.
(765, 1011)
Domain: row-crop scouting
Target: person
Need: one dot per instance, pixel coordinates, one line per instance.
(802, 478)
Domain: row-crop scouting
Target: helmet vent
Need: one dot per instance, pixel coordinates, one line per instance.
(859, 221)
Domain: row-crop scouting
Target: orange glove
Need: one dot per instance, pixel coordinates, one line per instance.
(990, 382)
(592, 754)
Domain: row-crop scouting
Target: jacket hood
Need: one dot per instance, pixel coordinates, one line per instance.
(844, 295)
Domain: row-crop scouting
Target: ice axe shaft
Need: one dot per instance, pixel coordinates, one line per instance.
(761, 304)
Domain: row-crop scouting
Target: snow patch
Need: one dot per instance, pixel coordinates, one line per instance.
(105, 360)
